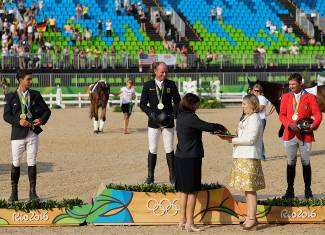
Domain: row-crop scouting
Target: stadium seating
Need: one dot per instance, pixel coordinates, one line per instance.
(312, 5)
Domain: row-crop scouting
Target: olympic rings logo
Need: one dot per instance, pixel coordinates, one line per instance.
(162, 207)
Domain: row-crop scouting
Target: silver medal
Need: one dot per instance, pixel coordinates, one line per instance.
(160, 106)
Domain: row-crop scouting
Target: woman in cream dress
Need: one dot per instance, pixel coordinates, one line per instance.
(246, 173)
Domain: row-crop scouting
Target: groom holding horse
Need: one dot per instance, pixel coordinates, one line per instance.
(298, 106)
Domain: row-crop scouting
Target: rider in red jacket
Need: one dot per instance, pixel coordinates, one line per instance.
(296, 105)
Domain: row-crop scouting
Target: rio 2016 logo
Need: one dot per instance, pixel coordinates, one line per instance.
(286, 214)
(24, 217)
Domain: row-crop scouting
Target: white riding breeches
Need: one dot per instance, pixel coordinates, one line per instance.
(29, 144)
(154, 135)
(291, 148)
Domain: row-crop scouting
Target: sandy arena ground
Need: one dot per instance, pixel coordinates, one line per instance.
(73, 161)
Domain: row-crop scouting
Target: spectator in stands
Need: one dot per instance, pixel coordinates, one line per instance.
(157, 25)
(124, 58)
(108, 28)
(273, 29)
(68, 28)
(209, 58)
(283, 50)
(261, 56)
(82, 58)
(219, 13)
(76, 58)
(184, 57)
(88, 34)
(66, 55)
(268, 24)
(30, 30)
(112, 57)
(99, 28)
(126, 3)
(302, 41)
(78, 11)
(85, 11)
(320, 61)
(34, 9)
(21, 28)
(284, 28)
(294, 49)
(143, 21)
(21, 8)
(139, 9)
(290, 29)
(21, 57)
(142, 56)
(129, 10)
(213, 13)
(52, 23)
(118, 7)
(312, 41)
(104, 58)
(89, 56)
(40, 5)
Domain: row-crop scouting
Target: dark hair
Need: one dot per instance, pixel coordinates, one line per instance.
(295, 76)
(188, 102)
(22, 73)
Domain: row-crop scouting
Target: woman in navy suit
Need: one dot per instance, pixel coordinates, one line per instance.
(188, 156)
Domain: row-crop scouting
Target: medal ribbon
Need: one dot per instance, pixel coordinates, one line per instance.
(24, 103)
(296, 103)
(160, 95)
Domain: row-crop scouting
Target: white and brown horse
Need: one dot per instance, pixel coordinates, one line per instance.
(98, 94)
(5, 86)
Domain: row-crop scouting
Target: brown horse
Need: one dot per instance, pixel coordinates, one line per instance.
(274, 91)
(98, 94)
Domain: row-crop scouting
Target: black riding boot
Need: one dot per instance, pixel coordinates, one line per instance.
(32, 183)
(306, 170)
(170, 163)
(291, 174)
(152, 159)
(15, 174)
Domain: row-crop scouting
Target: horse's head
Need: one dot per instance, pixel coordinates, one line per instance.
(4, 85)
(251, 85)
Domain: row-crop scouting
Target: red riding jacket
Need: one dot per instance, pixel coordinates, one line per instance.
(308, 107)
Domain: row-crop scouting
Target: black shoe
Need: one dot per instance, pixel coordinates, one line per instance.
(152, 159)
(150, 180)
(15, 174)
(308, 194)
(32, 173)
(289, 194)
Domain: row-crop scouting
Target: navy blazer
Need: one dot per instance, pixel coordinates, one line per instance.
(189, 134)
(170, 100)
(12, 111)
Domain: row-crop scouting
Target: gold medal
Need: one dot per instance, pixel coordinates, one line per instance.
(22, 116)
(295, 117)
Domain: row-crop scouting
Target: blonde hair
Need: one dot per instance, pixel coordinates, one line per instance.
(252, 100)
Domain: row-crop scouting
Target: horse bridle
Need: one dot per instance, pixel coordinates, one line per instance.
(273, 107)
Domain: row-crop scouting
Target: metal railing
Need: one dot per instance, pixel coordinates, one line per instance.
(224, 86)
(126, 61)
(304, 23)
